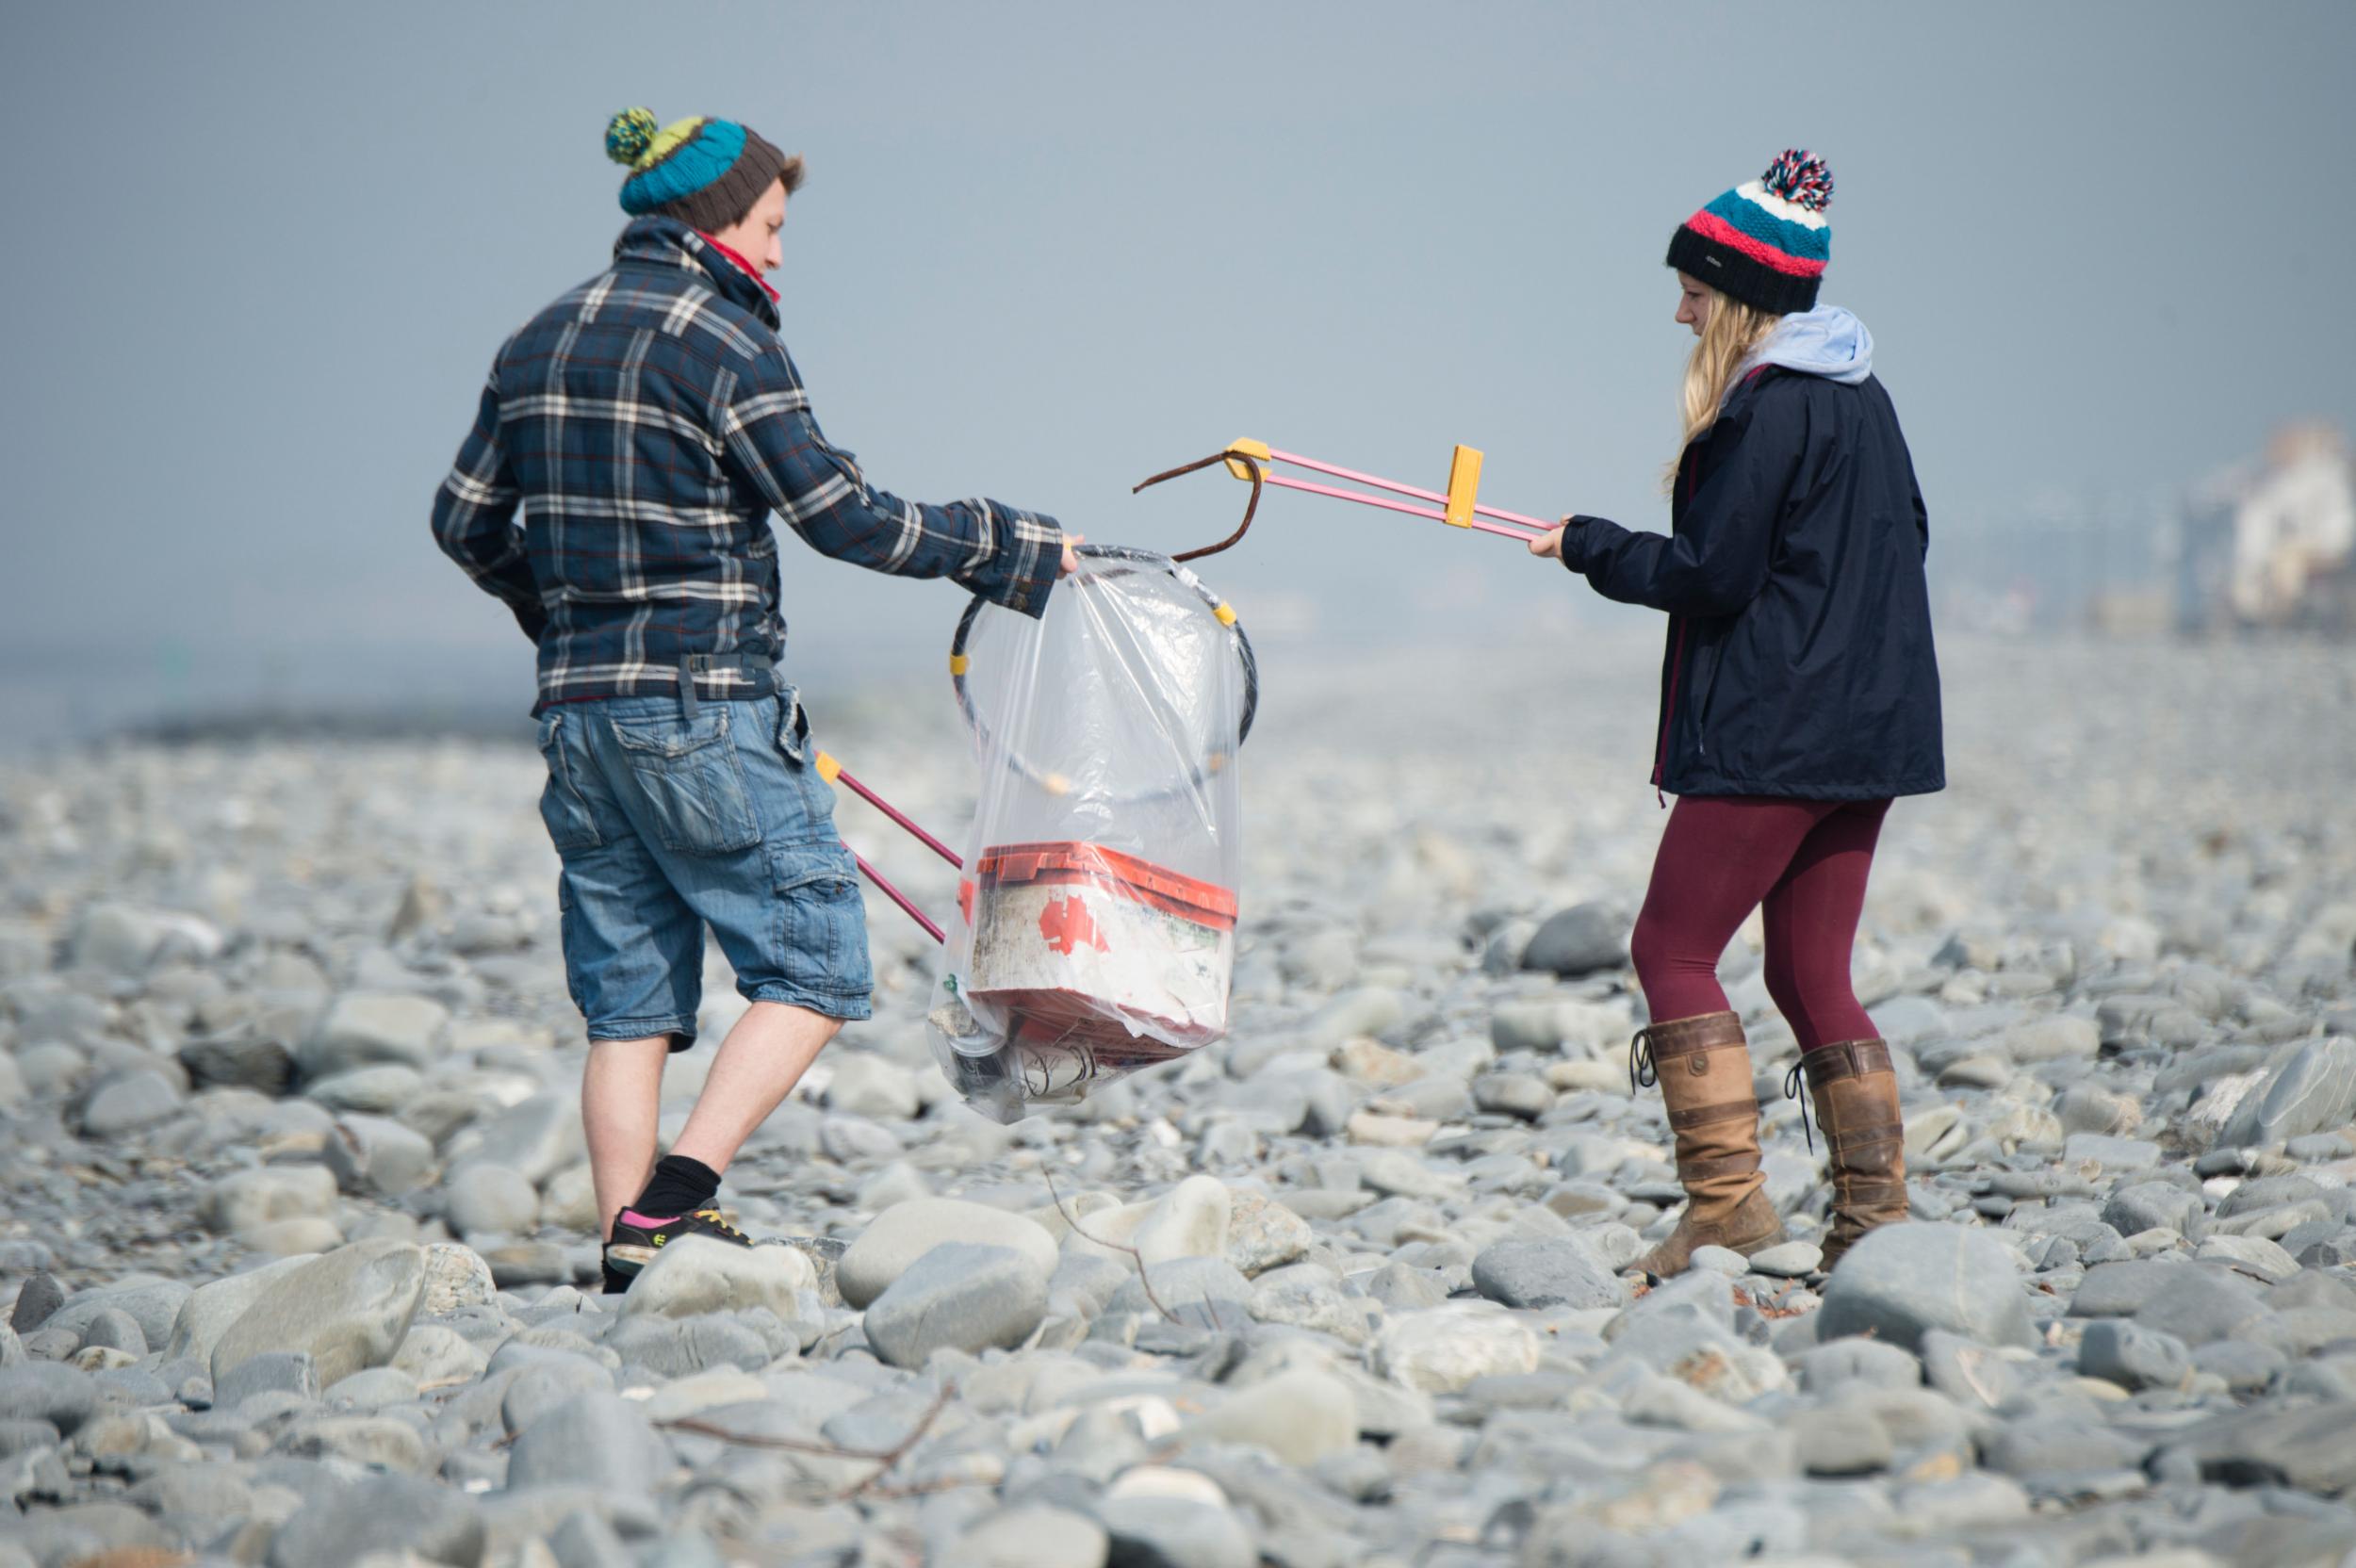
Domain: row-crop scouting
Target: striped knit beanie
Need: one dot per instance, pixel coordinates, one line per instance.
(1764, 243)
(704, 172)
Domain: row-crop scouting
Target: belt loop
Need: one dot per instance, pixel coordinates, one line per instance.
(687, 709)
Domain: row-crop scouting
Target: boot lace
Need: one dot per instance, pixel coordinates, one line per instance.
(1641, 1072)
(1792, 1091)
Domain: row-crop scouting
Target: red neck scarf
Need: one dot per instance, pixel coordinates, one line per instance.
(743, 266)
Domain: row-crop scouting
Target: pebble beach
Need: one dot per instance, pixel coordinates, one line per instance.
(299, 1264)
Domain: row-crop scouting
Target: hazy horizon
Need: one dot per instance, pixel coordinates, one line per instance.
(1047, 249)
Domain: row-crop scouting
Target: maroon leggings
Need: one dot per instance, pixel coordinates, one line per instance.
(1720, 859)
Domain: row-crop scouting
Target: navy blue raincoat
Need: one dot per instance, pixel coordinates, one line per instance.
(1799, 659)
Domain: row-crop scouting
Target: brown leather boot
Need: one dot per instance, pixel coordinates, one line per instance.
(1703, 1066)
(1857, 1104)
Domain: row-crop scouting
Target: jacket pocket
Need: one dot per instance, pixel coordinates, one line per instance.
(692, 782)
(572, 826)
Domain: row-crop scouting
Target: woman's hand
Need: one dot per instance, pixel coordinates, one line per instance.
(1550, 543)
(1071, 563)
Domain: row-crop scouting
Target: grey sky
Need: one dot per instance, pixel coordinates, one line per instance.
(262, 254)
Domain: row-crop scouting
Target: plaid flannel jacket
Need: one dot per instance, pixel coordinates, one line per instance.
(643, 425)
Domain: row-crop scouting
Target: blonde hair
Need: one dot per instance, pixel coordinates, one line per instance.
(1729, 334)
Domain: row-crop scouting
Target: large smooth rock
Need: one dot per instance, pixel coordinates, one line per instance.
(207, 1314)
(2124, 1288)
(681, 1347)
(2313, 1091)
(482, 1198)
(349, 1308)
(1539, 1274)
(377, 1154)
(536, 1137)
(1300, 1416)
(1582, 939)
(1193, 1220)
(2150, 1205)
(130, 1103)
(541, 1386)
(701, 1274)
(2203, 1304)
(596, 1440)
(361, 1028)
(1441, 1350)
(1190, 1220)
(2132, 1356)
(957, 1296)
(905, 1231)
(1903, 1279)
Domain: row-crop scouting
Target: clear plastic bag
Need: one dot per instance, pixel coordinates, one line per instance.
(1095, 927)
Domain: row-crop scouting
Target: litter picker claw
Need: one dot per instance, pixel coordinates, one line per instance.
(1106, 561)
(1458, 506)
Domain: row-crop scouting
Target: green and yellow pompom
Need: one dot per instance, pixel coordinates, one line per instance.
(629, 134)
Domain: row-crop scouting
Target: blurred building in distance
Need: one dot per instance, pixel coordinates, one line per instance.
(2270, 542)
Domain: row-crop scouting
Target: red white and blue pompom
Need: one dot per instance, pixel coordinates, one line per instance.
(1800, 177)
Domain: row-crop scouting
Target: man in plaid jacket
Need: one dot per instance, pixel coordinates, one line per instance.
(643, 426)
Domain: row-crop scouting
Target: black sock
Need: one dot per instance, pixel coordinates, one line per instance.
(680, 1185)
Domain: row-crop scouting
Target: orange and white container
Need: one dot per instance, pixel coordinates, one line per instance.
(1080, 942)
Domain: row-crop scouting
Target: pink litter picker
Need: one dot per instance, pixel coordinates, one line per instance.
(1458, 506)
(833, 773)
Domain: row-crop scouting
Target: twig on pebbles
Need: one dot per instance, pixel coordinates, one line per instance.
(884, 1459)
(1074, 1220)
(916, 1435)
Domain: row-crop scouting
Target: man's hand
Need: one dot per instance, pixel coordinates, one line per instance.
(1551, 544)
(1071, 561)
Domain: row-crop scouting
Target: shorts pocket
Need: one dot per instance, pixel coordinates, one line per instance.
(692, 782)
(826, 921)
(808, 815)
(792, 727)
(571, 825)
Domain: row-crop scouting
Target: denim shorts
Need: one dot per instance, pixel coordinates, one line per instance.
(665, 826)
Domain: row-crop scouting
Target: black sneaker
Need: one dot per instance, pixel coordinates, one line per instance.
(638, 1237)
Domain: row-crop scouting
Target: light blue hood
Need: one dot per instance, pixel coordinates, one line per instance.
(1826, 341)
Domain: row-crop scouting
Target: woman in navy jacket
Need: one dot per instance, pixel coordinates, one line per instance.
(1799, 694)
